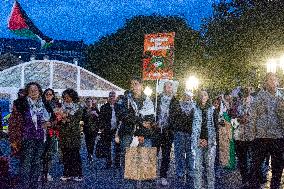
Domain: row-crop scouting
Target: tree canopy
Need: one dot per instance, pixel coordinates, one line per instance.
(230, 50)
(240, 37)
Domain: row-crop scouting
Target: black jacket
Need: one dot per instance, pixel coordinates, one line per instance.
(126, 114)
(147, 133)
(167, 133)
(106, 115)
(91, 124)
(183, 122)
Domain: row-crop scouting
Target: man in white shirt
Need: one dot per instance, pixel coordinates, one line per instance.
(109, 125)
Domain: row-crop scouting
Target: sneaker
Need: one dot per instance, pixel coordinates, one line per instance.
(164, 182)
(77, 179)
(90, 158)
(65, 178)
(49, 177)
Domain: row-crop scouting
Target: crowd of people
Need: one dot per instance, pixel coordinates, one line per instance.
(205, 134)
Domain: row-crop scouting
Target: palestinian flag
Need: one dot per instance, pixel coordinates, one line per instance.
(20, 24)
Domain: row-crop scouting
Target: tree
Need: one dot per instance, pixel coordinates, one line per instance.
(239, 38)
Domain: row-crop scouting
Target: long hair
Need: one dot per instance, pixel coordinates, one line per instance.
(48, 105)
(198, 101)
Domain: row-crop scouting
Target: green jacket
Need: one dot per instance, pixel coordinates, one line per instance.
(70, 132)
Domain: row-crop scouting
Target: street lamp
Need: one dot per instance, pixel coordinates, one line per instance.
(271, 65)
(281, 64)
(148, 91)
(192, 83)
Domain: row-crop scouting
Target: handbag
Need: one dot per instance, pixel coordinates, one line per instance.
(140, 163)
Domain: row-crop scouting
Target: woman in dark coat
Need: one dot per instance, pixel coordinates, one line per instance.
(70, 136)
(48, 99)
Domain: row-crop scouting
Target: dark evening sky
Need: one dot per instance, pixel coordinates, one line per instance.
(89, 20)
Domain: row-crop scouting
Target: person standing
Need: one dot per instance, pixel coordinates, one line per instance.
(182, 128)
(16, 123)
(167, 106)
(203, 142)
(242, 134)
(49, 101)
(268, 133)
(129, 114)
(70, 136)
(109, 125)
(33, 119)
(90, 127)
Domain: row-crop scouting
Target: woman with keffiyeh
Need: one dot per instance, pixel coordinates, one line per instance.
(203, 143)
(33, 119)
(70, 136)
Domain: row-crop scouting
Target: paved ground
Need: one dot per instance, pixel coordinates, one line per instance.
(97, 177)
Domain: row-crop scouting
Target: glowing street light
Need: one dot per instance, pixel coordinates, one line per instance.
(192, 83)
(281, 64)
(271, 65)
(148, 91)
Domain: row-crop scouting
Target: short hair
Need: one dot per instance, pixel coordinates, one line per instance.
(28, 86)
(167, 82)
(72, 93)
(88, 98)
(150, 118)
(112, 94)
(267, 77)
(244, 92)
(136, 78)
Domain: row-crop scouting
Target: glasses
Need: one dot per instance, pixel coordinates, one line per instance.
(48, 94)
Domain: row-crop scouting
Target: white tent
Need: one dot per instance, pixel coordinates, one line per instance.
(57, 75)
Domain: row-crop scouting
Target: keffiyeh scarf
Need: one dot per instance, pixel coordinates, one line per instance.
(70, 108)
(165, 104)
(37, 108)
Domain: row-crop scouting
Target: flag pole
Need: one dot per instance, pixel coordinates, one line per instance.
(156, 99)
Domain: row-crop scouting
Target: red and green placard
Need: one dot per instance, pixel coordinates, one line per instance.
(158, 56)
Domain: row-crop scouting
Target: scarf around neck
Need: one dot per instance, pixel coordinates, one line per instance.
(70, 108)
(37, 108)
(186, 106)
(165, 104)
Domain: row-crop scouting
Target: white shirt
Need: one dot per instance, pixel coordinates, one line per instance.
(113, 118)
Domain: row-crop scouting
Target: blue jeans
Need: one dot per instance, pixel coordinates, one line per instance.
(183, 154)
(31, 162)
(147, 143)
